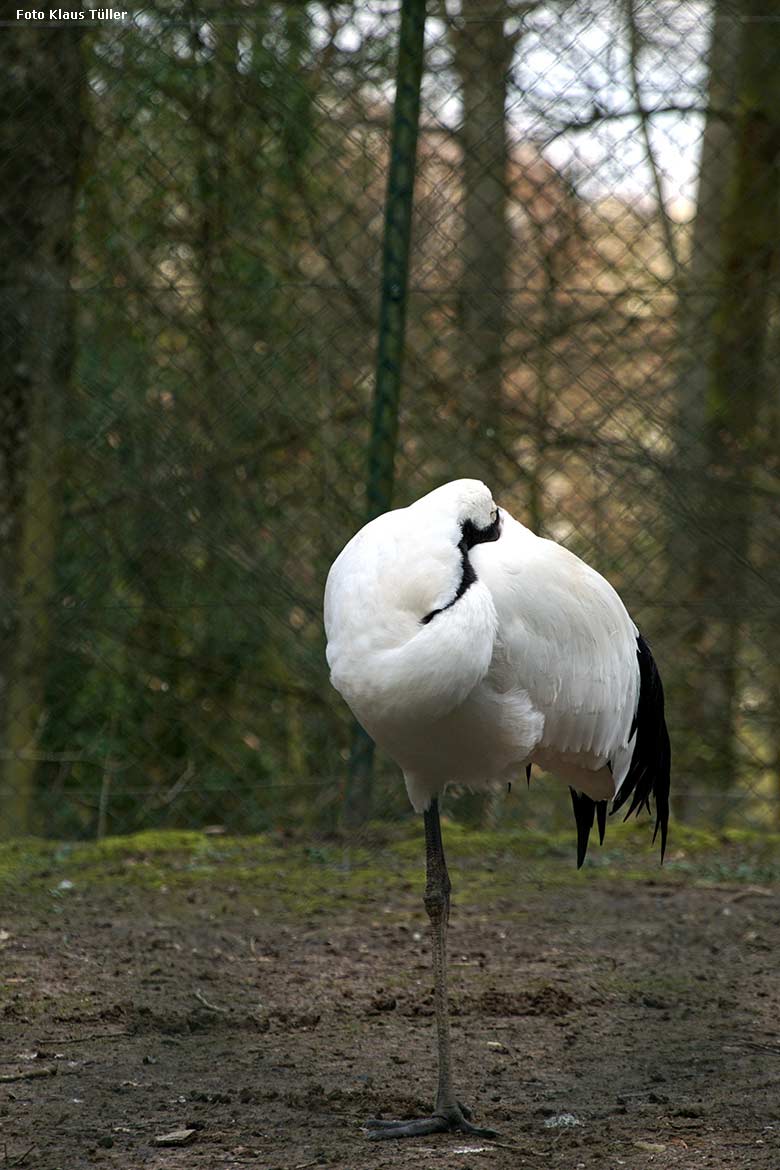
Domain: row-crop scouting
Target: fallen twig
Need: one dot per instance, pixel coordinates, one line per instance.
(738, 892)
(18, 1161)
(29, 1074)
(752, 892)
(773, 1048)
(52, 1043)
(212, 1007)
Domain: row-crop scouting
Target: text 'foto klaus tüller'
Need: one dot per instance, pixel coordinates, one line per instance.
(71, 14)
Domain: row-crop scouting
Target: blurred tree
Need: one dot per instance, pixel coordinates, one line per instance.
(698, 292)
(191, 422)
(42, 81)
(483, 52)
(737, 391)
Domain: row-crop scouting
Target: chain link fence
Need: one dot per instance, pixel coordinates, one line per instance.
(193, 215)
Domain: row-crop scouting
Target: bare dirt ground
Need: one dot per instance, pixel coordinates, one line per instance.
(647, 1008)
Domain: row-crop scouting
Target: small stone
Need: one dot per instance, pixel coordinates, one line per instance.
(177, 1137)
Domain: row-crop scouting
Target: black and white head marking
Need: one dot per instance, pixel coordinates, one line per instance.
(470, 535)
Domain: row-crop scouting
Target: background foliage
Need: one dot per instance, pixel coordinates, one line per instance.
(193, 214)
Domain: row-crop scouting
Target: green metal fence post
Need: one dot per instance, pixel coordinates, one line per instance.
(392, 321)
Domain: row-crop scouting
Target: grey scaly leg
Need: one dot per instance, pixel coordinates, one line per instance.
(448, 1115)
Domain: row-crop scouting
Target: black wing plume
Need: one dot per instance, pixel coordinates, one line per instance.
(649, 772)
(584, 811)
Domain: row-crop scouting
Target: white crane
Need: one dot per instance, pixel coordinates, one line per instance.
(469, 648)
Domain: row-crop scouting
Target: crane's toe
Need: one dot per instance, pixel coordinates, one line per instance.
(450, 1120)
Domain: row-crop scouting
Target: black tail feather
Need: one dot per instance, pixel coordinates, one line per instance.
(649, 772)
(585, 810)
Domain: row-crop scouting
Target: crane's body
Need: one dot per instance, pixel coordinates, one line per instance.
(469, 648)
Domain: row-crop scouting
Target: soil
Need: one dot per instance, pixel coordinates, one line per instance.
(618, 1022)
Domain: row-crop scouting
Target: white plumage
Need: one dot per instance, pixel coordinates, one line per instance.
(535, 663)
(469, 649)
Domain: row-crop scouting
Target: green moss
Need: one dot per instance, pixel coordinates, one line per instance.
(381, 869)
(672, 986)
(21, 856)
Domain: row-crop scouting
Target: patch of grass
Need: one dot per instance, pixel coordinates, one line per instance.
(277, 874)
(665, 987)
(304, 876)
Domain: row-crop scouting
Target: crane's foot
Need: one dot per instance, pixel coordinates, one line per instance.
(452, 1119)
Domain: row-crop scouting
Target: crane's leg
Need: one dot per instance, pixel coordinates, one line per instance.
(448, 1115)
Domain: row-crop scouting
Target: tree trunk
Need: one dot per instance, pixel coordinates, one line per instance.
(483, 57)
(42, 84)
(735, 391)
(219, 114)
(687, 478)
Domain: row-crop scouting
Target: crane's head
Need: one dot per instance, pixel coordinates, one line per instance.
(410, 627)
(465, 506)
(443, 527)
(407, 566)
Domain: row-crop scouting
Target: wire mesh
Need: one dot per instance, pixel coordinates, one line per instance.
(591, 327)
